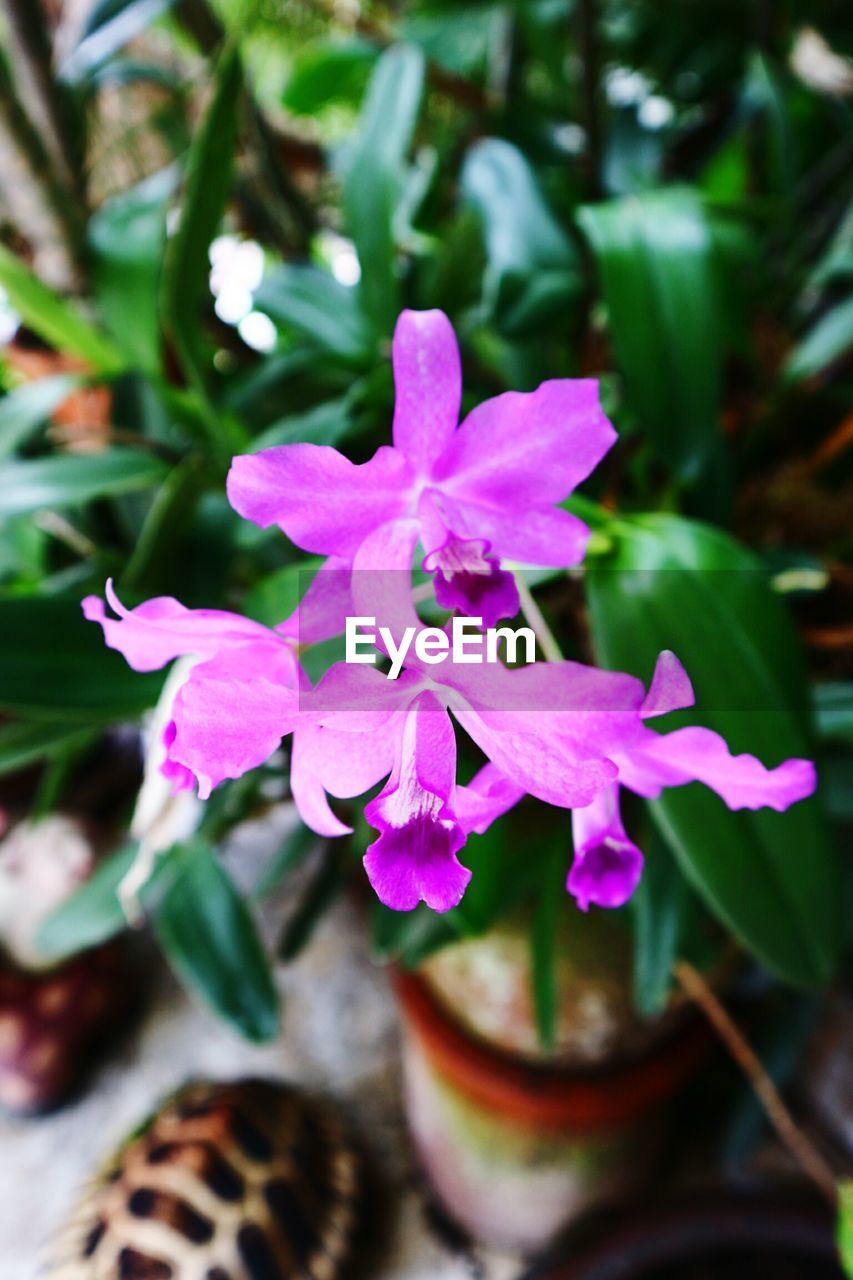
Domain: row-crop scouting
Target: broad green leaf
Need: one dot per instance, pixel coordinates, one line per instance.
(70, 479)
(23, 410)
(772, 878)
(827, 341)
(55, 320)
(208, 181)
(314, 303)
(844, 1234)
(533, 268)
(127, 235)
(91, 915)
(374, 179)
(210, 939)
(326, 72)
(109, 26)
(655, 258)
(55, 665)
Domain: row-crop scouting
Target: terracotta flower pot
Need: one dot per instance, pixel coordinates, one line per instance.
(718, 1236)
(514, 1142)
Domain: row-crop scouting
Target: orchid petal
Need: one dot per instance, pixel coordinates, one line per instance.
(542, 535)
(699, 755)
(488, 796)
(523, 450)
(161, 629)
(428, 386)
(232, 713)
(607, 865)
(670, 689)
(321, 500)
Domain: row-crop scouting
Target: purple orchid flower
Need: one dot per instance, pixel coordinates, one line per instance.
(483, 492)
(546, 729)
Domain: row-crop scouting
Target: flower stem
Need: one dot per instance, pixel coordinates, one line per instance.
(800, 1146)
(539, 626)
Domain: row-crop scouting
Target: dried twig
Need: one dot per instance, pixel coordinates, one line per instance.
(790, 1134)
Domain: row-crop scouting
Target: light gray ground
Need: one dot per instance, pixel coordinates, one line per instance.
(339, 1035)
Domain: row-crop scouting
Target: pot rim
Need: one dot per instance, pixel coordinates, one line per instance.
(589, 1100)
(651, 1236)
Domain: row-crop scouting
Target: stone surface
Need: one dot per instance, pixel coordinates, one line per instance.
(339, 1036)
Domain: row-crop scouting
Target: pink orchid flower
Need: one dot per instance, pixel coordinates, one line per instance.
(482, 492)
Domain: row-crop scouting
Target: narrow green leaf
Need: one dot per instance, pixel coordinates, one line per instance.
(110, 25)
(79, 678)
(326, 423)
(845, 1226)
(662, 909)
(827, 341)
(210, 166)
(322, 890)
(533, 267)
(291, 853)
(71, 479)
(374, 179)
(24, 742)
(833, 705)
(26, 408)
(54, 319)
(655, 255)
(210, 939)
(276, 596)
(772, 878)
(543, 946)
(127, 235)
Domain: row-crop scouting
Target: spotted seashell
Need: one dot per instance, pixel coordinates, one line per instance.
(250, 1180)
(54, 1024)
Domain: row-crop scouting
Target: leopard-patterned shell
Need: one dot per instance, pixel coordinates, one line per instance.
(250, 1180)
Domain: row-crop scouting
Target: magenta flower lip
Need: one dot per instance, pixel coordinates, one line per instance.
(477, 499)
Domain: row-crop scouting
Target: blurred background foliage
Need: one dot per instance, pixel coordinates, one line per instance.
(210, 217)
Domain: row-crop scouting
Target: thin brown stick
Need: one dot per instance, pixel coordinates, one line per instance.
(790, 1134)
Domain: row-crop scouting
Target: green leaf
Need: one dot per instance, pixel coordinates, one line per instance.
(314, 303)
(833, 706)
(325, 423)
(110, 25)
(655, 256)
(533, 269)
(374, 180)
(54, 319)
(127, 235)
(663, 907)
(276, 596)
(210, 166)
(91, 915)
(543, 946)
(24, 742)
(326, 72)
(71, 479)
(323, 888)
(827, 341)
(79, 678)
(291, 853)
(772, 879)
(24, 410)
(210, 940)
(844, 1235)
